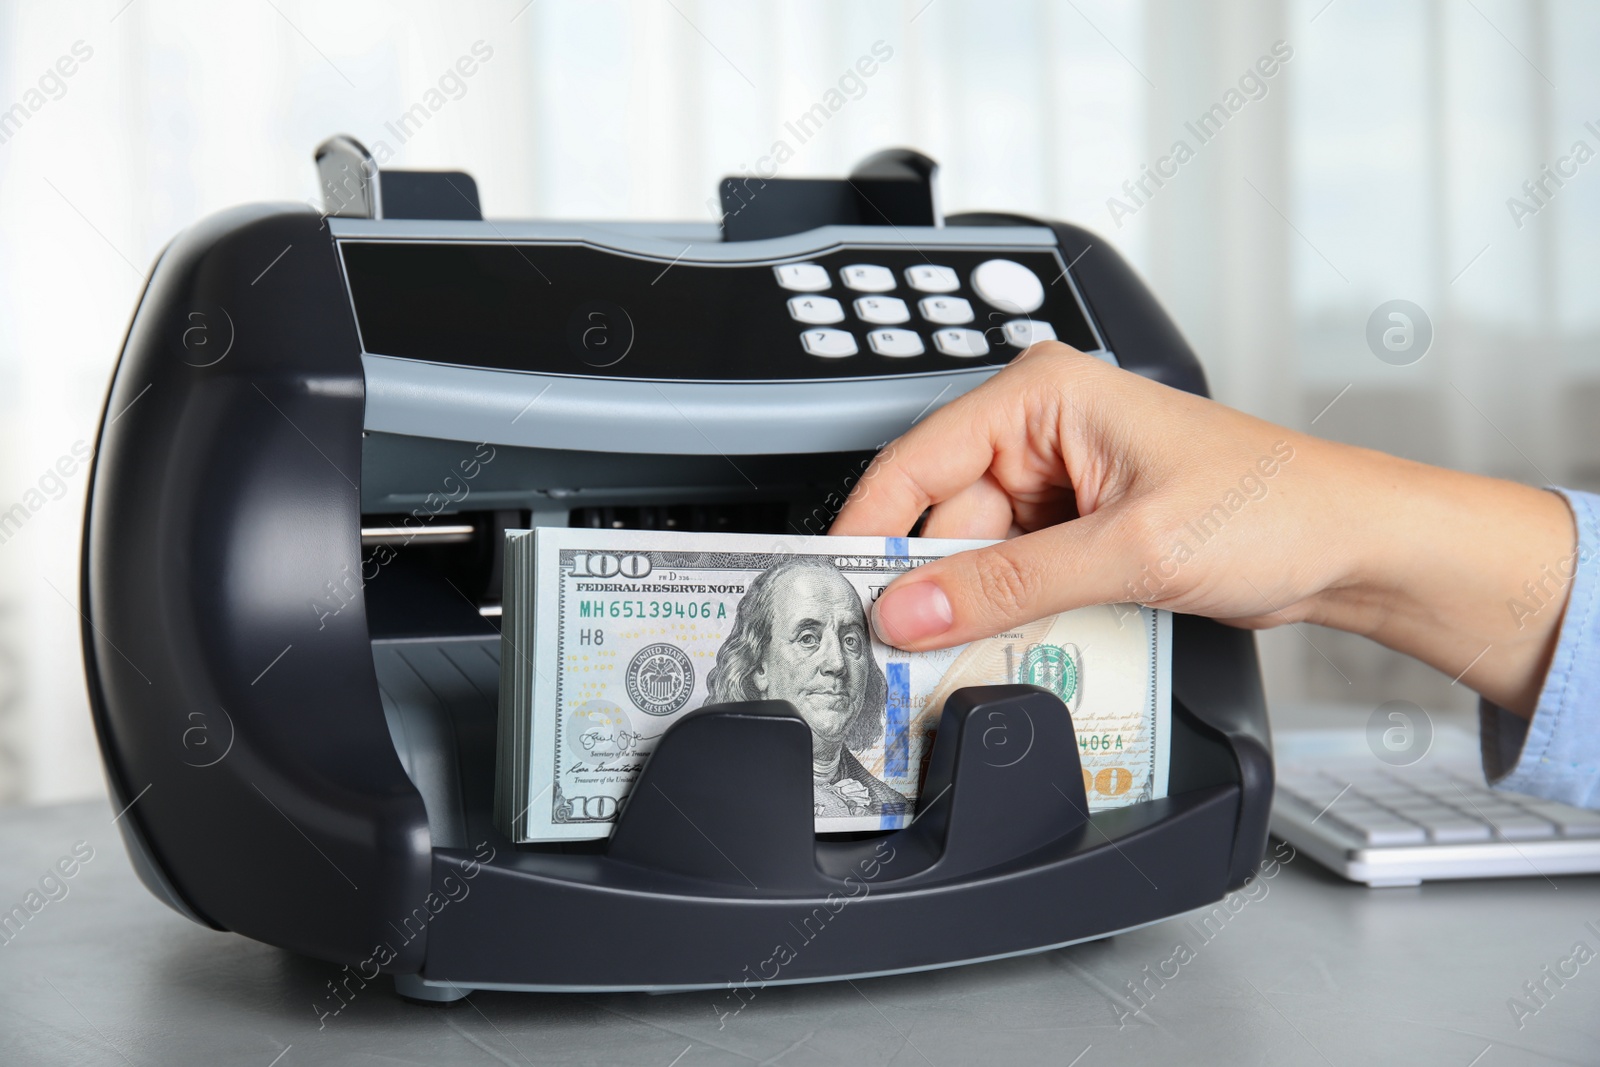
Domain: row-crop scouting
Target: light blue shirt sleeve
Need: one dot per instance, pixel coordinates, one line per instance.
(1556, 754)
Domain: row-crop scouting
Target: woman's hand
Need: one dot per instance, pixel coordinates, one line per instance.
(1114, 488)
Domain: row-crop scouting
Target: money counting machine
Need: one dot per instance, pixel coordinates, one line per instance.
(319, 428)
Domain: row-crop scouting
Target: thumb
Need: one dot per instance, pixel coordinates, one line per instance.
(986, 591)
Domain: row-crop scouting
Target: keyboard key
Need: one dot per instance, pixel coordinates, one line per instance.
(1381, 829)
(1570, 821)
(946, 311)
(1361, 815)
(887, 310)
(1403, 788)
(1460, 795)
(866, 278)
(803, 277)
(1340, 779)
(895, 342)
(1317, 796)
(958, 342)
(1491, 811)
(816, 309)
(1309, 808)
(1307, 791)
(830, 344)
(1351, 804)
(926, 278)
(1392, 803)
(1459, 830)
(1385, 787)
(1469, 786)
(1426, 813)
(1522, 827)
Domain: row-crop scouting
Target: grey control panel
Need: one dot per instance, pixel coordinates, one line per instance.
(576, 336)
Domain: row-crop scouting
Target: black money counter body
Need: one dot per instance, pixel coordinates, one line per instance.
(320, 427)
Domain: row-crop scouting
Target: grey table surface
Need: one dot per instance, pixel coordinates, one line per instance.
(1305, 969)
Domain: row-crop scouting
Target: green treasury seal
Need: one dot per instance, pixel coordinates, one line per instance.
(1050, 667)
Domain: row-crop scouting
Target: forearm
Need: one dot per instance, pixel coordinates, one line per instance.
(1123, 488)
(1466, 573)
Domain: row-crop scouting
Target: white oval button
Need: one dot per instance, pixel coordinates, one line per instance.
(1009, 286)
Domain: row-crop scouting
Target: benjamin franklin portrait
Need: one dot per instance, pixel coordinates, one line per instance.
(800, 634)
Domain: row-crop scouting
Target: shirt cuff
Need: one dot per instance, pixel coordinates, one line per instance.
(1556, 754)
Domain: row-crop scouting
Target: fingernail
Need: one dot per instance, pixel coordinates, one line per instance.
(911, 613)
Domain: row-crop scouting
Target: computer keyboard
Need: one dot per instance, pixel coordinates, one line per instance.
(1390, 826)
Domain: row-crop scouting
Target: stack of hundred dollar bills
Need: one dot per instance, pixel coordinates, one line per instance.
(610, 636)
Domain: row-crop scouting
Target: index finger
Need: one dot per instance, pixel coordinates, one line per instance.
(928, 464)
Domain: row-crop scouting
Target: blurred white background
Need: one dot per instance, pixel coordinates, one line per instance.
(1377, 165)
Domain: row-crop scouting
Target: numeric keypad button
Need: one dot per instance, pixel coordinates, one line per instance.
(803, 277)
(1025, 332)
(945, 310)
(829, 344)
(958, 342)
(867, 278)
(927, 278)
(887, 310)
(819, 310)
(897, 343)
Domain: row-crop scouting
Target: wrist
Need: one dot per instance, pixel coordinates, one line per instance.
(1460, 571)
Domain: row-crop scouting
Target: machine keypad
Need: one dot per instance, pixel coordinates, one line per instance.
(819, 310)
(946, 315)
(884, 310)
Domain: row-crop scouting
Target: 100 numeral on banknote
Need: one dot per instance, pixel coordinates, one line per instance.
(630, 630)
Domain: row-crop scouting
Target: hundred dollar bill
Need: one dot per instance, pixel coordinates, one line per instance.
(611, 635)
